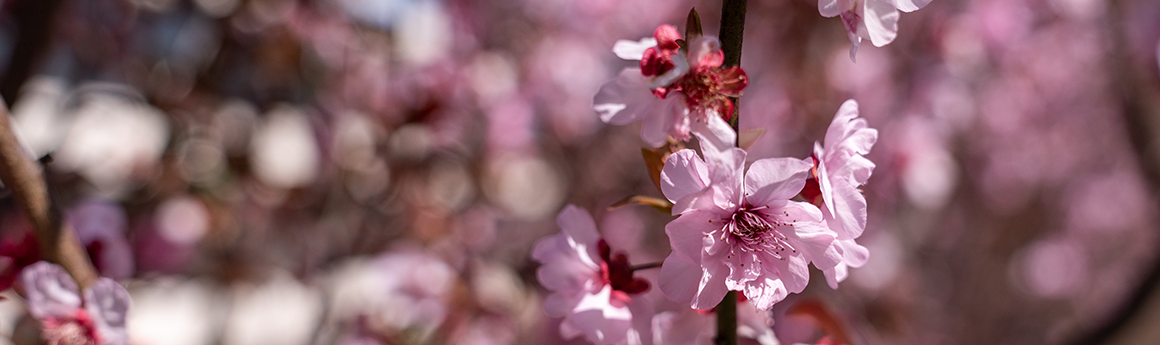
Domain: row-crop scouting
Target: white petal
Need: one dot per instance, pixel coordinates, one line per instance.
(832, 8)
(773, 179)
(684, 173)
(910, 5)
(109, 303)
(881, 19)
(633, 50)
(624, 99)
(50, 291)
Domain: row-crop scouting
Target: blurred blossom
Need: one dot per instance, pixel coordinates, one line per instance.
(217, 8)
(284, 151)
(170, 311)
(484, 331)
(594, 291)
(1053, 268)
(424, 33)
(929, 173)
(100, 225)
(201, 161)
(403, 289)
(526, 187)
(381, 13)
(411, 142)
(68, 317)
(451, 184)
(497, 288)
(113, 141)
(37, 118)
(883, 267)
(279, 311)
(698, 327)
(233, 124)
(493, 77)
(183, 220)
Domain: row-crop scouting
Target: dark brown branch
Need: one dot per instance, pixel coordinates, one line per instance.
(732, 30)
(34, 30)
(22, 175)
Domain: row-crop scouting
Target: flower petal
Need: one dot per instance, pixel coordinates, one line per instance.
(642, 314)
(832, 8)
(687, 233)
(714, 134)
(881, 19)
(108, 303)
(684, 173)
(49, 290)
(764, 293)
(601, 321)
(578, 225)
(624, 99)
(659, 121)
(772, 179)
(678, 278)
(910, 5)
(848, 218)
(633, 50)
(711, 288)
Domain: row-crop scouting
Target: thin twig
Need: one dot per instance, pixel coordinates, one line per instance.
(23, 177)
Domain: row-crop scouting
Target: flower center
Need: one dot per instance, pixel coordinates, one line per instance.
(616, 271)
(753, 231)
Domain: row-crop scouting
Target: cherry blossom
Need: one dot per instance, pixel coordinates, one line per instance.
(875, 20)
(839, 169)
(678, 90)
(68, 318)
(592, 289)
(739, 230)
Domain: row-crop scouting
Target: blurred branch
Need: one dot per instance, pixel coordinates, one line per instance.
(1141, 114)
(34, 30)
(732, 30)
(23, 177)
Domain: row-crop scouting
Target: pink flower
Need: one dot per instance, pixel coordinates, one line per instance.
(875, 20)
(67, 318)
(839, 169)
(676, 91)
(739, 230)
(592, 289)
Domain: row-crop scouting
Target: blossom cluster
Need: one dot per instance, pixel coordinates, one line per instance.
(754, 229)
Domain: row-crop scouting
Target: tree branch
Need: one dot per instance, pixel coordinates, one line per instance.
(23, 177)
(732, 30)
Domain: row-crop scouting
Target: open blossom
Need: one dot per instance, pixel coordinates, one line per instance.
(875, 20)
(593, 289)
(739, 230)
(676, 91)
(68, 318)
(839, 169)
